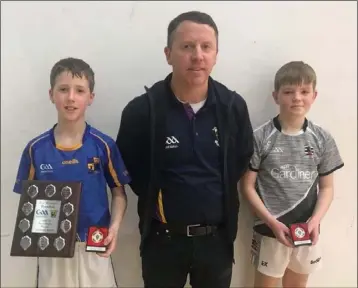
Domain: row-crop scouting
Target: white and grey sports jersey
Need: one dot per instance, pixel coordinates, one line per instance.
(288, 169)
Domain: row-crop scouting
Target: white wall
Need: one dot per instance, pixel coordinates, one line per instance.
(124, 42)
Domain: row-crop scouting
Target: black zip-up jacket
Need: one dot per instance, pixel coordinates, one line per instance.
(141, 140)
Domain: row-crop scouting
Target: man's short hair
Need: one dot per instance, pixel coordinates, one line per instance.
(295, 73)
(77, 67)
(194, 16)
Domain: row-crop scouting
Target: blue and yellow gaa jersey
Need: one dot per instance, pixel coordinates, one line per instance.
(95, 163)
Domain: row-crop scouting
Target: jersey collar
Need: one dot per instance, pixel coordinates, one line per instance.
(277, 124)
(85, 135)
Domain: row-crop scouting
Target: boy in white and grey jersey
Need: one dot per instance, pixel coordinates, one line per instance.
(290, 180)
(289, 167)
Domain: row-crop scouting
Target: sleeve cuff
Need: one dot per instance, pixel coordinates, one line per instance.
(332, 170)
(252, 168)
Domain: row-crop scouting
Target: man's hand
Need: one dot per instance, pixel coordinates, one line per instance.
(110, 242)
(313, 230)
(282, 233)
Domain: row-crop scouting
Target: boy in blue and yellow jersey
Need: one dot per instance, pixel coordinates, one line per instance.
(72, 150)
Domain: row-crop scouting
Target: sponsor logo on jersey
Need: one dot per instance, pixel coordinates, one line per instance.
(292, 172)
(70, 162)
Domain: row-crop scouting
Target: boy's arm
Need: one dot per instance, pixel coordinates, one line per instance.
(117, 176)
(330, 161)
(118, 207)
(26, 170)
(248, 189)
(325, 197)
(281, 231)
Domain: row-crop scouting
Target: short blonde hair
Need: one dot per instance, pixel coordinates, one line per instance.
(295, 73)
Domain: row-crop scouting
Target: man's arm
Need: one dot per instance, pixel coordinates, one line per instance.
(244, 136)
(133, 142)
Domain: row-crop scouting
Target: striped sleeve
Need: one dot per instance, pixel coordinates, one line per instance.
(255, 160)
(26, 170)
(330, 157)
(115, 171)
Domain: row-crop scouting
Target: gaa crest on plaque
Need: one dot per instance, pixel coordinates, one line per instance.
(46, 219)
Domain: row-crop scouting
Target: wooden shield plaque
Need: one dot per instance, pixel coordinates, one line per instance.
(46, 221)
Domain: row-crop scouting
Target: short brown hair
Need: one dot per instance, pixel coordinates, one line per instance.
(295, 73)
(77, 67)
(193, 16)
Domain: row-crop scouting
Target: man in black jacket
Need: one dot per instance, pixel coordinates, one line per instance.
(186, 142)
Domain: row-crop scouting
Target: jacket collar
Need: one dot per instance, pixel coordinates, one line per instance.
(211, 99)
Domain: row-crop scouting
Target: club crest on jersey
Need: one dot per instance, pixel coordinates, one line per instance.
(93, 164)
(309, 150)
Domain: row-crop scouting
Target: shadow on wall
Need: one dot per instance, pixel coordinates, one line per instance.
(261, 112)
(127, 261)
(243, 271)
(126, 258)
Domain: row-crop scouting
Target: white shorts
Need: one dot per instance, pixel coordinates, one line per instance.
(271, 258)
(85, 269)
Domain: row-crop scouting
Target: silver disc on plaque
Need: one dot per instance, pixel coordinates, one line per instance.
(66, 192)
(66, 225)
(68, 209)
(43, 242)
(50, 190)
(32, 191)
(25, 242)
(59, 243)
(24, 225)
(27, 208)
